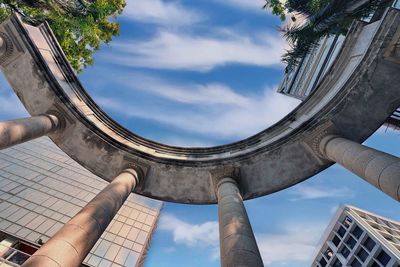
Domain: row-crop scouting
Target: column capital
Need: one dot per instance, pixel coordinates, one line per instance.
(322, 143)
(225, 174)
(315, 137)
(139, 170)
(6, 47)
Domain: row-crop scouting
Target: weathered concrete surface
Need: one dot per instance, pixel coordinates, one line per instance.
(379, 169)
(359, 92)
(22, 130)
(71, 244)
(238, 245)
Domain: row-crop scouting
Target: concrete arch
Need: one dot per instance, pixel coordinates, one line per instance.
(352, 101)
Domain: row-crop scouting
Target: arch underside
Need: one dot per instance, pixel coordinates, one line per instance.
(357, 95)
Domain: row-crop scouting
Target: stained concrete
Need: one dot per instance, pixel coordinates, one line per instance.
(356, 96)
(379, 169)
(22, 130)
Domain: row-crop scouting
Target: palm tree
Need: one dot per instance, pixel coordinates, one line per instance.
(323, 18)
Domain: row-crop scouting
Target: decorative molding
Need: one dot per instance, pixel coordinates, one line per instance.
(219, 174)
(6, 49)
(314, 138)
(11, 48)
(141, 168)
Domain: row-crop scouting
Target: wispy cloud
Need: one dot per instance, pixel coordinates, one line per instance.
(227, 115)
(163, 13)
(303, 192)
(187, 51)
(294, 242)
(244, 4)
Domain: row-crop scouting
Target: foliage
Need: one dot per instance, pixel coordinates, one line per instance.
(322, 18)
(80, 26)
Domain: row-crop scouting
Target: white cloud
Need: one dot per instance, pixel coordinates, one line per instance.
(244, 4)
(200, 94)
(301, 192)
(227, 115)
(186, 51)
(295, 242)
(191, 235)
(163, 13)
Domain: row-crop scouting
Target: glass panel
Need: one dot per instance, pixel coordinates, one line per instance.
(383, 258)
(355, 263)
(362, 254)
(369, 244)
(351, 242)
(337, 263)
(336, 240)
(341, 231)
(345, 251)
(347, 222)
(357, 232)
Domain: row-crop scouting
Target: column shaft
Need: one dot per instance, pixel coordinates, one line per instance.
(237, 242)
(378, 168)
(22, 130)
(71, 244)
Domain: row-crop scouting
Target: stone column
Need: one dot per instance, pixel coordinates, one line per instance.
(378, 168)
(71, 244)
(18, 131)
(238, 245)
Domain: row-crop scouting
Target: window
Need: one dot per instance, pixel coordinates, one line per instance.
(362, 254)
(383, 258)
(322, 262)
(357, 232)
(374, 264)
(369, 244)
(345, 251)
(355, 263)
(328, 253)
(336, 240)
(347, 222)
(337, 263)
(341, 231)
(351, 242)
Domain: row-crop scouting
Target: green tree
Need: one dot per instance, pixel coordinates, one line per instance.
(322, 18)
(80, 26)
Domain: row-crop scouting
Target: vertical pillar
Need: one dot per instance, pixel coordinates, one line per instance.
(238, 245)
(18, 131)
(71, 244)
(378, 168)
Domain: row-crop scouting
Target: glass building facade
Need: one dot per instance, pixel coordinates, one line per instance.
(41, 188)
(359, 238)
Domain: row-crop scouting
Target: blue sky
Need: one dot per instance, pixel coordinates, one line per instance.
(203, 73)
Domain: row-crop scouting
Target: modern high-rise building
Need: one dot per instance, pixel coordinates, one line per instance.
(41, 189)
(357, 237)
(310, 72)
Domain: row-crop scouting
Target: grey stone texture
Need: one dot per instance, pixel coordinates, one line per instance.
(238, 245)
(364, 77)
(18, 131)
(378, 168)
(72, 243)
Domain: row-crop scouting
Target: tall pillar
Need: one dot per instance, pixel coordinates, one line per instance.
(378, 168)
(238, 245)
(71, 244)
(18, 131)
